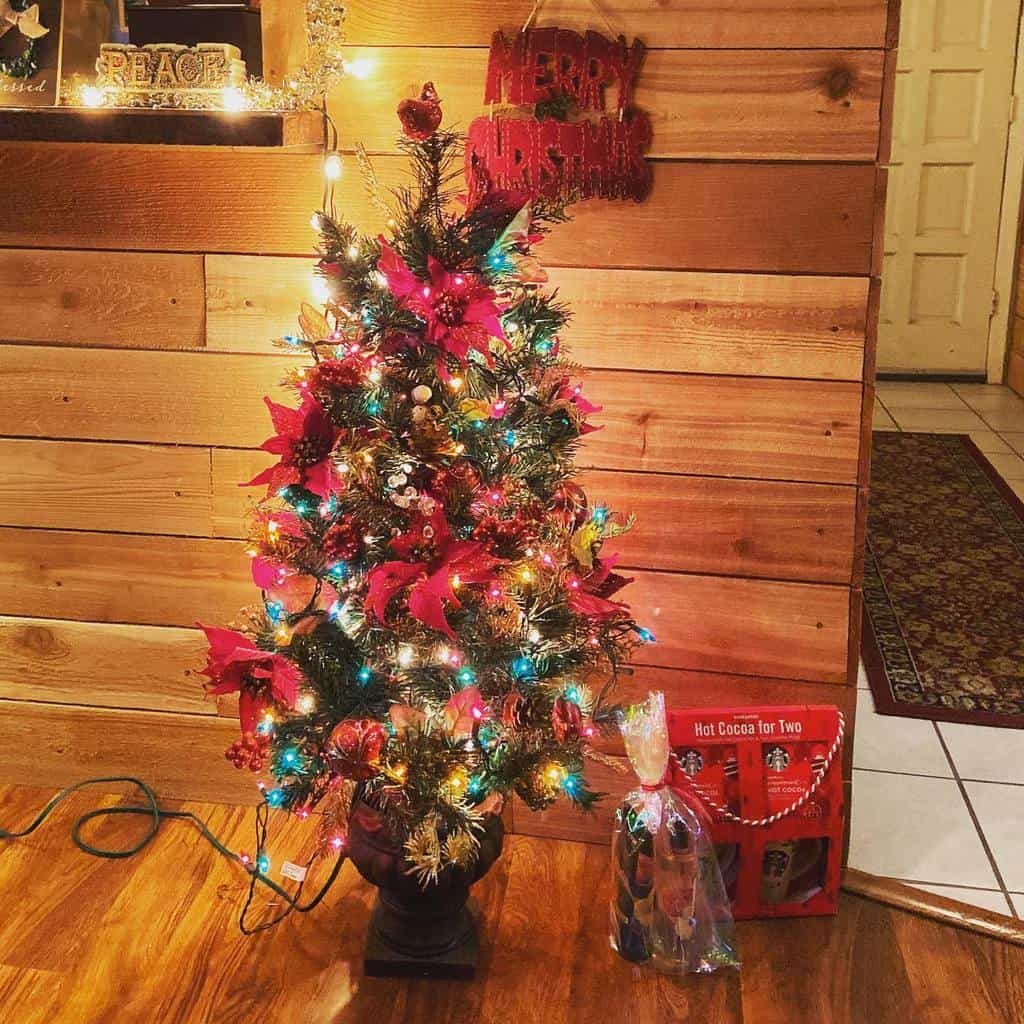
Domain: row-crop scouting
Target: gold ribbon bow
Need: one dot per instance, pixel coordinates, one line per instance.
(26, 22)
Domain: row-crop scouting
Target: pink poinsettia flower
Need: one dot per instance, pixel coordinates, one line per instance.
(459, 309)
(464, 711)
(234, 664)
(588, 595)
(431, 561)
(304, 441)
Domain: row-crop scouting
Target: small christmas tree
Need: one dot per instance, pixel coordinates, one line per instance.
(437, 629)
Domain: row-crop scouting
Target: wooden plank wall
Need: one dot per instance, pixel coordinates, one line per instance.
(728, 324)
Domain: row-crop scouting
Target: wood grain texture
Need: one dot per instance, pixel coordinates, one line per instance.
(728, 426)
(180, 755)
(102, 665)
(731, 527)
(819, 219)
(710, 104)
(754, 627)
(743, 324)
(72, 574)
(282, 26)
(87, 486)
(750, 627)
(134, 300)
(94, 927)
(894, 893)
(771, 24)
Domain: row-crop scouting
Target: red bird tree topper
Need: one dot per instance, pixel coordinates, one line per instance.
(554, 70)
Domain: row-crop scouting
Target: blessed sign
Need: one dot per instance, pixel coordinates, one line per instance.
(30, 43)
(160, 68)
(555, 69)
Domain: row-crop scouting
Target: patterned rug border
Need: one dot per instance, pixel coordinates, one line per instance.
(874, 664)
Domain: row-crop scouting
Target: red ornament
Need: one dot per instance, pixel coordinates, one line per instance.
(342, 542)
(421, 118)
(566, 719)
(354, 748)
(513, 711)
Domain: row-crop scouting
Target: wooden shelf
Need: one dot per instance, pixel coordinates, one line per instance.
(300, 130)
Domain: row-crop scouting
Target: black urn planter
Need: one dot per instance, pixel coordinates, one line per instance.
(417, 931)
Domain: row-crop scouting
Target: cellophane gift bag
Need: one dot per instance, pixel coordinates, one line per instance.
(669, 907)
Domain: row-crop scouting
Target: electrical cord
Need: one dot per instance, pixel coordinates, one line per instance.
(157, 814)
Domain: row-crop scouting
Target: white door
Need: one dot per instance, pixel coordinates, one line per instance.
(953, 106)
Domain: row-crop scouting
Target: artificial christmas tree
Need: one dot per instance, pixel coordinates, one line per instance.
(438, 629)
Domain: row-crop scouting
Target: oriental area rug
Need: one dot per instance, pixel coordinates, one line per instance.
(943, 583)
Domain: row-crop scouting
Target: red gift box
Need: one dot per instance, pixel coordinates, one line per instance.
(771, 782)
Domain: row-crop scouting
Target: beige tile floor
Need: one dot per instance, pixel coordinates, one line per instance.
(936, 804)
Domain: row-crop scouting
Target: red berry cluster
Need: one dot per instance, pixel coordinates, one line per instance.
(249, 752)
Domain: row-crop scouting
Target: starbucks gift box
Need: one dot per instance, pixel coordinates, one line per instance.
(770, 779)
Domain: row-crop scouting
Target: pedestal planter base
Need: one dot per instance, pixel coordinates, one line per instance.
(418, 931)
(456, 963)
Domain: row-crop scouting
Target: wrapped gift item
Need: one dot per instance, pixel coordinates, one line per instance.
(769, 779)
(669, 906)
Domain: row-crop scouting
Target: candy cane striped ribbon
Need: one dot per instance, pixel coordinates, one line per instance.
(785, 812)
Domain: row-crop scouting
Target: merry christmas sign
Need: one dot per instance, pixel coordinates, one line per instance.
(571, 148)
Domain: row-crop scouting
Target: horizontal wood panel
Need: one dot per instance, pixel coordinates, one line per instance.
(102, 665)
(725, 105)
(748, 627)
(728, 426)
(660, 23)
(710, 216)
(70, 574)
(180, 756)
(745, 324)
(135, 300)
(725, 426)
(90, 486)
(760, 627)
(731, 527)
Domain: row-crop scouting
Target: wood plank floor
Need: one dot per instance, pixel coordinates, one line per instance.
(153, 939)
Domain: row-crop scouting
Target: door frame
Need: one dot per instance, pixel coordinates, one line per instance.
(1009, 224)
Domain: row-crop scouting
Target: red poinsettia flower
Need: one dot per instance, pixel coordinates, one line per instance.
(304, 440)
(588, 595)
(459, 309)
(432, 561)
(234, 664)
(570, 397)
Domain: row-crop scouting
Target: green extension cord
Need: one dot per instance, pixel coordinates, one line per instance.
(157, 814)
